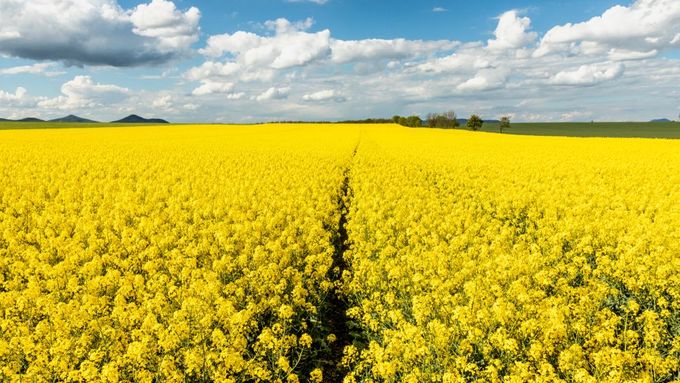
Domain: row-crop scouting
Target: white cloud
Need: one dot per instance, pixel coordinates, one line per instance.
(343, 79)
(486, 79)
(163, 102)
(381, 77)
(439, 9)
(290, 46)
(97, 32)
(237, 42)
(273, 94)
(465, 61)
(235, 96)
(588, 74)
(676, 39)
(19, 97)
(324, 95)
(617, 54)
(212, 69)
(245, 56)
(38, 68)
(210, 87)
(282, 26)
(224, 71)
(511, 44)
(83, 92)
(9, 35)
(162, 20)
(344, 51)
(644, 26)
(511, 32)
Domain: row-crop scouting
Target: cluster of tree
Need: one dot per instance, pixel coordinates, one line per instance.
(504, 124)
(474, 122)
(434, 120)
(364, 121)
(368, 121)
(410, 121)
(442, 120)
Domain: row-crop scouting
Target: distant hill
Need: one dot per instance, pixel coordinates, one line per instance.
(661, 120)
(135, 119)
(72, 118)
(27, 119)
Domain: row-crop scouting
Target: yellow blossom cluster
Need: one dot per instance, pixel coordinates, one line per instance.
(496, 258)
(167, 254)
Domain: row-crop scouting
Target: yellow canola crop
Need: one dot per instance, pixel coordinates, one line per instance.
(496, 258)
(206, 254)
(167, 254)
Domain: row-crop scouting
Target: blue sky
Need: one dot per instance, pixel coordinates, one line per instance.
(263, 60)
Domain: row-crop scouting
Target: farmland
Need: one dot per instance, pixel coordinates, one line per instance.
(363, 253)
(594, 129)
(564, 129)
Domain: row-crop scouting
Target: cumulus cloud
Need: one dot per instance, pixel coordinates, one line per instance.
(224, 71)
(439, 9)
(487, 79)
(18, 98)
(512, 32)
(97, 32)
(413, 74)
(83, 92)
(645, 26)
(511, 41)
(616, 54)
(464, 61)
(235, 96)
(212, 69)
(324, 95)
(343, 79)
(273, 94)
(588, 74)
(161, 20)
(344, 51)
(9, 35)
(163, 102)
(245, 56)
(290, 46)
(39, 69)
(210, 87)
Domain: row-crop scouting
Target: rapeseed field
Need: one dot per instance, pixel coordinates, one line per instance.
(209, 253)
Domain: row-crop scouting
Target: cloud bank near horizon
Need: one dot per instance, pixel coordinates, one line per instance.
(292, 70)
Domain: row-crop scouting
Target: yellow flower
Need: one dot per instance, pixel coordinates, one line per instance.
(316, 376)
(305, 341)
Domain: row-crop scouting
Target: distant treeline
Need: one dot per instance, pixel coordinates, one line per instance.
(445, 120)
(433, 120)
(365, 121)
